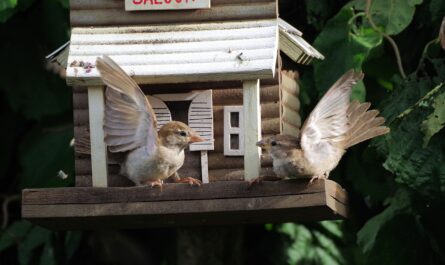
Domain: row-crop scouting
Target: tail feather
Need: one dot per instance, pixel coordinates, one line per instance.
(374, 132)
(364, 123)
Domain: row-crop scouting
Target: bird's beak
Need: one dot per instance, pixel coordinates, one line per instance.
(261, 144)
(196, 139)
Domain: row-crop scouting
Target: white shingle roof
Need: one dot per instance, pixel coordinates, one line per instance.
(177, 53)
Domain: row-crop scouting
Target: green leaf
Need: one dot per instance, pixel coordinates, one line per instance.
(345, 47)
(310, 246)
(392, 15)
(436, 120)
(367, 236)
(48, 256)
(37, 237)
(14, 234)
(72, 241)
(5, 4)
(418, 166)
(9, 7)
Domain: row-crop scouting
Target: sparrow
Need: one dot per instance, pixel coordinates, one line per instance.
(333, 126)
(130, 128)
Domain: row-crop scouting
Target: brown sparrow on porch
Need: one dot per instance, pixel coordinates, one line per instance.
(130, 127)
(333, 126)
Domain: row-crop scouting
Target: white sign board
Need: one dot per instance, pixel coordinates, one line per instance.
(135, 5)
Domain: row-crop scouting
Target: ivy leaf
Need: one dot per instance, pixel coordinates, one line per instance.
(436, 120)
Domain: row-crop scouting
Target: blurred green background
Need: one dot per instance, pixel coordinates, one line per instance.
(396, 183)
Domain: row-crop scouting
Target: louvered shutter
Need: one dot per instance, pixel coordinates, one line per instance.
(163, 114)
(201, 120)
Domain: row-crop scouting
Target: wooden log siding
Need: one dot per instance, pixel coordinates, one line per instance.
(86, 13)
(290, 104)
(221, 168)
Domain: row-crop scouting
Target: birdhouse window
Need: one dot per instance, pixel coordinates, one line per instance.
(233, 131)
(199, 118)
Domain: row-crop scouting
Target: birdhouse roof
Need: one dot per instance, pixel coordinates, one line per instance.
(177, 53)
(294, 46)
(232, 40)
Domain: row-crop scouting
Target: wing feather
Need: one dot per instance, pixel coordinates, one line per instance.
(130, 122)
(325, 129)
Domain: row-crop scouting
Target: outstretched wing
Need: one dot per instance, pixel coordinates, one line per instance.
(129, 122)
(325, 130)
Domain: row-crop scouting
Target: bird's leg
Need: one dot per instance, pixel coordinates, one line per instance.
(317, 177)
(156, 183)
(189, 180)
(259, 180)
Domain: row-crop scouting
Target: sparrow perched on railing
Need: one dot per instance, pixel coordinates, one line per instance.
(333, 126)
(130, 127)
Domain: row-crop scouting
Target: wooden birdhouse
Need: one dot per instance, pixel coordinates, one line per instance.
(212, 64)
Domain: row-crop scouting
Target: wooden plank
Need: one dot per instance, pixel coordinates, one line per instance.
(234, 174)
(119, 4)
(181, 205)
(172, 192)
(138, 5)
(196, 34)
(98, 147)
(223, 12)
(304, 214)
(252, 128)
(204, 167)
(261, 69)
(173, 207)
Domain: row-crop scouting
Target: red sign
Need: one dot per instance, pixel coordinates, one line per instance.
(134, 5)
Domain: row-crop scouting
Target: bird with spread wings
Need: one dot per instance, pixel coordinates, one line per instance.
(150, 156)
(334, 125)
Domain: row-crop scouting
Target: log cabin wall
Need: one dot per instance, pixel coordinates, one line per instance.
(279, 113)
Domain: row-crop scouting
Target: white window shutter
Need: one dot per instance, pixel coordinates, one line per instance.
(163, 114)
(230, 131)
(201, 120)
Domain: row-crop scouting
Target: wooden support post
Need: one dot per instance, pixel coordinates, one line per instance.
(96, 105)
(204, 167)
(252, 129)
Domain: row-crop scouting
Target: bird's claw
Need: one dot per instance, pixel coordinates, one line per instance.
(189, 180)
(255, 181)
(157, 183)
(315, 178)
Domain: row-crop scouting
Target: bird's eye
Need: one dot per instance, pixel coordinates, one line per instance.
(273, 143)
(183, 134)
